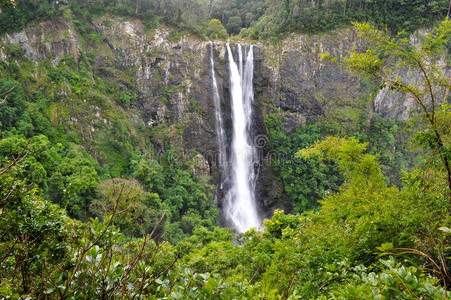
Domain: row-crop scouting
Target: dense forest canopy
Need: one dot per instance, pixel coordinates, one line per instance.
(102, 214)
(257, 19)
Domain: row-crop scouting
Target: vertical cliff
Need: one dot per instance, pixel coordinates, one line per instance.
(164, 79)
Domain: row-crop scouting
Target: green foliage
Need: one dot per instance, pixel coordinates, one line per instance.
(388, 54)
(49, 161)
(60, 164)
(14, 105)
(234, 24)
(187, 200)
(304, 251)
(237, 14)
(138, 210)
(427, 137)
(188, 16)
(96, 38)
(320, 15)
(390, 141)
(8, 3)
(14, 51)
(392, 281)
(15, 17)
(305, 180)
(35, 122)
(125, 99)
(32, 229)
(77, 178)
(262, 19)
(295, 256)
(50, 255)
(216, 30)
(174, 36)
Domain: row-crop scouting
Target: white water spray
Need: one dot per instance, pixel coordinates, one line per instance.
(240, 207)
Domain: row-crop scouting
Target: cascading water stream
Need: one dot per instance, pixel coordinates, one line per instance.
(240, 60)
(220, 134)
(240, 207)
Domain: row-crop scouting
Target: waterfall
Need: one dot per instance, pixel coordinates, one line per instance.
(239, 203)
(220, 135)
(240, 59)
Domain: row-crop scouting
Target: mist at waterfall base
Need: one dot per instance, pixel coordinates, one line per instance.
(239, 203)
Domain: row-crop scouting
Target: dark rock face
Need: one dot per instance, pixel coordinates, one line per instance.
(308, 87)
(297, 92)
(173, 84)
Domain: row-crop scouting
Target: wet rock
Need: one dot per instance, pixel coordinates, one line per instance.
(173, 84)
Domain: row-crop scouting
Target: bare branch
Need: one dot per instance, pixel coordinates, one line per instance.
(8, 252)
(3, 101)
(15, 162)
(8, 91)
(87, 248)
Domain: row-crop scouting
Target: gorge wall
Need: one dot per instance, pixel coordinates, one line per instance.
(171, 78)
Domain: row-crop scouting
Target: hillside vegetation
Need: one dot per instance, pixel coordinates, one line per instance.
(257, 19)
(100, 213)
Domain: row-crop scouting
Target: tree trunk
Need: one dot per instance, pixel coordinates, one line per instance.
(138, 6)
(210, 8)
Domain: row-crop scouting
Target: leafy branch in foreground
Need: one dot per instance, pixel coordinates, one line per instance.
(90, 260)
(439, 263)
(382, 61)
(390, 280)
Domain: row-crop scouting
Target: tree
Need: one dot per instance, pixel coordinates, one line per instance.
(216, 30)
(386, 55)
(304, 180)
(234, 24)
(7, 3)
(378, 214)
(12, 104)
(133, 216)
(30, 228)
(137, 7)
